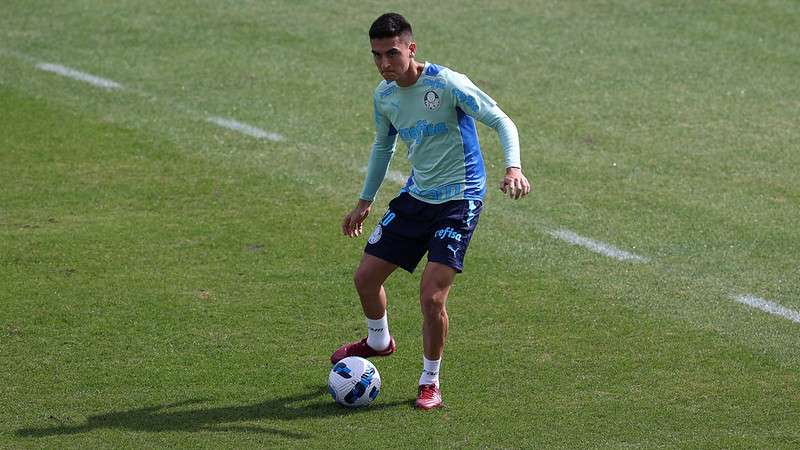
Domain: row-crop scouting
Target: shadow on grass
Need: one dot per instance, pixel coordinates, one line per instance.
(157, 418)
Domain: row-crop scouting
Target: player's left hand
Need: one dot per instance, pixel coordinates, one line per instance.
(515, 184)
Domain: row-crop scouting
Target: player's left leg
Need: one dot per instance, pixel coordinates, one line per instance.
(434, 290)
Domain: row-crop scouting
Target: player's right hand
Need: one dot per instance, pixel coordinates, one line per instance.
(353, 223)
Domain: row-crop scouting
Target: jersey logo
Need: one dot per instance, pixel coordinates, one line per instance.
(466, 99)
(422, 129)
(432, 100)
(434, 83)
(376, 235)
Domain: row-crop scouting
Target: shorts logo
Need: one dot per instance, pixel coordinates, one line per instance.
(432, 100)
(376, 234)
(447, 233)
(454, 250)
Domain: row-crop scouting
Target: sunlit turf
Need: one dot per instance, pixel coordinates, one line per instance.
(166, 282)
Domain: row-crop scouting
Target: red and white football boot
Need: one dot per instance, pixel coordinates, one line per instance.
(429, 397)
(360, 348)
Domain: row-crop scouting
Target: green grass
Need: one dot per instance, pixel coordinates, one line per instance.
(167, 283)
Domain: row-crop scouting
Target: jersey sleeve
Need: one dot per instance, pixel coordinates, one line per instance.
(381, 155)
(509, 136)
(476, 103)
(469, 98)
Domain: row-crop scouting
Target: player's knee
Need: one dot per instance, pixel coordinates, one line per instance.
(359, 280)
(433, 303)
(363, 281)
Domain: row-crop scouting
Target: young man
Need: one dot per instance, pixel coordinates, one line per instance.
(432, 109)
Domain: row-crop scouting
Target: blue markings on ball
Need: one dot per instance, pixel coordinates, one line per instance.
(361, 387)
(374, 393)
(342, 369)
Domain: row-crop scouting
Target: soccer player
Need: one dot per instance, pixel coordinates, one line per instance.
(433, 110)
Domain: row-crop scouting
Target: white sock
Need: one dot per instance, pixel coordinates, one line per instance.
(378, 337)
(430, 371)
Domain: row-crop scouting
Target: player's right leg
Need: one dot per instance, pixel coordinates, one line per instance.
(370, 275)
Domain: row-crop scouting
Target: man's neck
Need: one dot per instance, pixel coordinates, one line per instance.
(414, 72)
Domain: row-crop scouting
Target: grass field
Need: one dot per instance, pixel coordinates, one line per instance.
(167, 282)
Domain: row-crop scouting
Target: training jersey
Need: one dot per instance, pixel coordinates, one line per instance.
(435, 118)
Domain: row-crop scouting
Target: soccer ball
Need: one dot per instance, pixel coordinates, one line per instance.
(354, 382)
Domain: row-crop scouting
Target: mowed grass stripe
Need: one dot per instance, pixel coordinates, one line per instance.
(142, 316)
(608, 409)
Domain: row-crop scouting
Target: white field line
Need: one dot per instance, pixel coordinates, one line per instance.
(768, 306)
(78, 75)
(110, 84)
(392, 175)
(245, 128)
(18, 55)
(596, 246)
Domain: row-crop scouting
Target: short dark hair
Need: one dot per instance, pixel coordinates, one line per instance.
(389, 25)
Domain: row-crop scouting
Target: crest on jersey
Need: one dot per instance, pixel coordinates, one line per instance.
(376, 234)
(432, 100)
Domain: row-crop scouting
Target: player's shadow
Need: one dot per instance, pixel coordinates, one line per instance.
(159, 418)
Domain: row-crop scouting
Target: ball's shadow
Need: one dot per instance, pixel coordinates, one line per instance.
(159, 418)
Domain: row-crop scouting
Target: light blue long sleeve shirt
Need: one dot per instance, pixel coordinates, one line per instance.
(435, 117)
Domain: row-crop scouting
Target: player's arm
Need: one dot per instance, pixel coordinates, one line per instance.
(483, 108)
(514, 183)
(380, 157)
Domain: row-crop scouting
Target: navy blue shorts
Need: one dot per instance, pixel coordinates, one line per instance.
(412, 227)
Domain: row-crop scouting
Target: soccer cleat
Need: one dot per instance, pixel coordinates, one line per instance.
(360, 348)
(429, 397)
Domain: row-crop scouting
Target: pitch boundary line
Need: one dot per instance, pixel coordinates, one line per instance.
(568, 236)
(78, 75)
(596, 246)
(108, 84)
(244, 128)
(768, 306)
(18, 55)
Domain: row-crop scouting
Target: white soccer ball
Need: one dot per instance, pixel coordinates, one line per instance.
(354, 382)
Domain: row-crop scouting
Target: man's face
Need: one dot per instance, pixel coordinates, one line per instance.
(393, 56)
